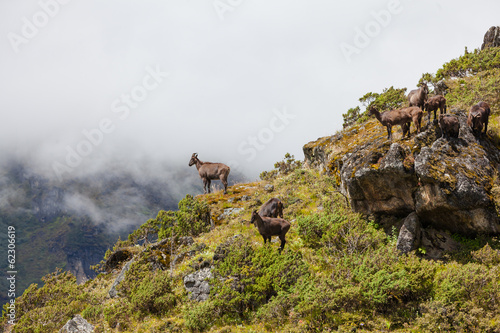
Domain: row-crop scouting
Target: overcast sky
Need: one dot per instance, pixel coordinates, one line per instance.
(86, 82)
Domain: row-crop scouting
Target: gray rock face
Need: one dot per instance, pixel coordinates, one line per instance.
(197, 284)
(386, 189)
(409, 235)
(491, 38)
(230, 211)
(112, 291)
(77, 325)
(454, 189)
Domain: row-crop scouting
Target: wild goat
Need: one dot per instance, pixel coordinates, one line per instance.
(210, 171)
(391, 118)
(418, 96)
(449, 125)
(478, 116)
(272, 208)
(433, 104)
(270, 226)
(416, 115)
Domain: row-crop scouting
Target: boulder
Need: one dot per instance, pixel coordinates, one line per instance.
(269, 188)
(197, 284)
(117, 258)
(230, 211)
(409, 234)
(491, 38)
(77, 325)
(376, 180)
(455, 186)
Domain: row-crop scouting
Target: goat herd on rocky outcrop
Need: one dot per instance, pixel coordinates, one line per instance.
(418, 102)
(269, 220)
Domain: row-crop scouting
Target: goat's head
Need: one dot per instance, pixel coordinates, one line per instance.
(280, 209)
(254, 216)
(477, 121)
(425, 88)
(193, 159)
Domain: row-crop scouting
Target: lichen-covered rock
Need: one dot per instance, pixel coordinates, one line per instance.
(230, 211)
(116, 258)
(448, 183)
(409, 234)
(455, 182)
(197, 284)
(77, 325)
(377, 181)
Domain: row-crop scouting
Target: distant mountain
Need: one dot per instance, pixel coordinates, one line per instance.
(71, 224)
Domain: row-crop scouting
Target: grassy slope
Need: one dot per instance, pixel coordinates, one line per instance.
(305, 193)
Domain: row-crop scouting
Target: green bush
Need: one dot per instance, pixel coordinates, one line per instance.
(49, 307)
(338, 233)
(282, 168)
(118, 313)
(471, 63)
(200, 317)
(154, 294)
(191, 219)
(147, 291)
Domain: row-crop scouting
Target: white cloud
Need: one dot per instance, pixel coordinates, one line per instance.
(226, 76)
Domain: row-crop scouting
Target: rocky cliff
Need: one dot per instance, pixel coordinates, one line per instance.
(450, 184)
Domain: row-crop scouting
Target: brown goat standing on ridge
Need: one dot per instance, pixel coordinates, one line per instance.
(270, 226)
(391, 118)
(478, 116)
(210, 171)
(272, 208)
(416, 116)
(418, 96)
(433, 104)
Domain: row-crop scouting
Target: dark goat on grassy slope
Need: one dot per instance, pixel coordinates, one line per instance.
(391, 118)
(210, 171)
(270, 226)
(272, 208)
(478, 117)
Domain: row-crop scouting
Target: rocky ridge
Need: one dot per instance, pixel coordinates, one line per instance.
(446, 184)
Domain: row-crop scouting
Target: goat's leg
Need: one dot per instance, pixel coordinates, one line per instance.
(283, 241)
(209, 182)
(204, 185)
(389, 132)
(265, 239)
(224, 182)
